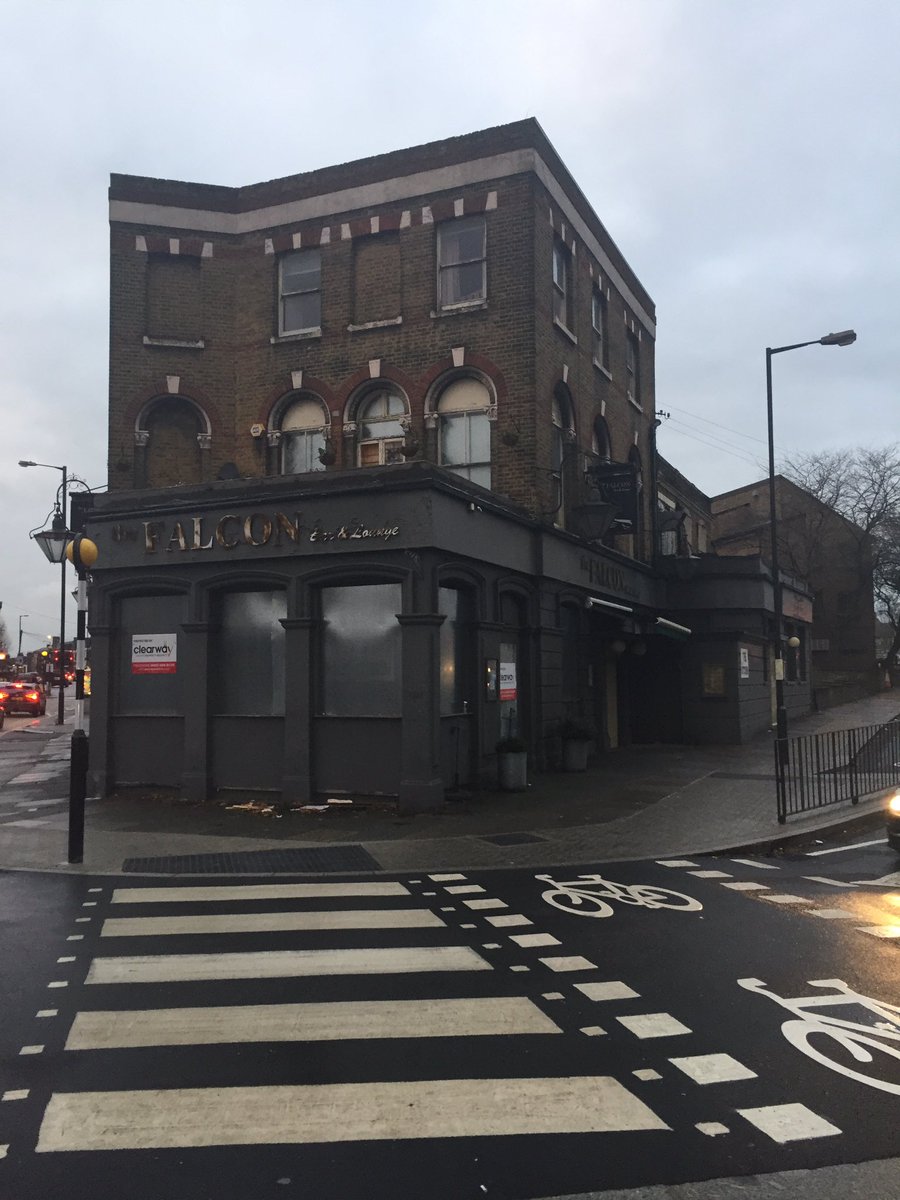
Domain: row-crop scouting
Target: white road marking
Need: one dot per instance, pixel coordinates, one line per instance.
(443, 878)
(571, 963)
(646, 1074)
(4, 1150)
(19, 1094)
(32, 1050)
(479, 905)
(746, 887)
(752, 862)
(461, 889)
(490, 945)
(711, 1128)
(280, 964)
(843, 849)
(712, 1068)
(534, 939)
(830, 882)
(508, 921)
(653, 1025)
(611, 990)
(593, 1031)
(786, 899)
(552, 996)
(255, 891)
(520, 967)
(345, 1112)
(75, 937)
(273, 922)
(832, 914)
(47, 1012)
(711, 874)
(881, 931)
(363, 1019)
(676, 862)
(788, 1122)
(58, 983)
(67, 959)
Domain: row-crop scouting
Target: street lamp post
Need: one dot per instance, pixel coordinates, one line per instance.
(22, 617)
(845, 338)
(53, 543)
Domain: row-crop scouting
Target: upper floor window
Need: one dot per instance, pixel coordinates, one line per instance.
(562, 283)
(562, 433)
(300, 292)
(465, 431)
(462, 264)
(633, 366)
(600, 443)
(380, 428)
(174, 297)
(303, 429)
(599, 346)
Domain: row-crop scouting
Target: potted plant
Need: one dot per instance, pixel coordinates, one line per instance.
(512, 764)
(576, 739)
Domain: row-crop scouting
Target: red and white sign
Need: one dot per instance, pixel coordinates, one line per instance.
(154, 653)
(507, 681)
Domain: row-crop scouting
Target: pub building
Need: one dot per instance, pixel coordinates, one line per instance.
(384, 490)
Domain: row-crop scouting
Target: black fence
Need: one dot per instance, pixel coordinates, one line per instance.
(819, 769)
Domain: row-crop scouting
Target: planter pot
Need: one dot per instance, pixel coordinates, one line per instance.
(575, 755)
(512, 771)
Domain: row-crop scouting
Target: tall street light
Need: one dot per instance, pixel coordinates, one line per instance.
(53, 543)
(22, 617)
(845, 338)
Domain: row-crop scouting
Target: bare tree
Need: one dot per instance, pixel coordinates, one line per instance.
(4, 642)
(863, 485)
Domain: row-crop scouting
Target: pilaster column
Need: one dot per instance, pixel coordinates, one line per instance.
(193, 655)
(421, 784)
(297, 782)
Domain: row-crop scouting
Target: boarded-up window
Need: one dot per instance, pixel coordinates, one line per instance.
(173, 452)
(376, 277)
(173, 297)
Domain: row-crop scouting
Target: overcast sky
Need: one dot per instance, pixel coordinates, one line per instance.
(744, 156)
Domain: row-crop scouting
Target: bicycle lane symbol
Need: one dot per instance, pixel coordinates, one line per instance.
(880, 1032)
(587, 896)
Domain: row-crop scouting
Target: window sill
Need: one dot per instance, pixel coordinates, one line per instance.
(375, 325)
(303, 335)
(565, 329)
(603, 370)
(175, 343)
(455, 309)
(635, 403)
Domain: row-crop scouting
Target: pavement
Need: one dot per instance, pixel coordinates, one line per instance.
(634, 803)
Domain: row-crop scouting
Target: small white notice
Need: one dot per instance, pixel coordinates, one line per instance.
(507, 681)
(154, 653)
(745, 663)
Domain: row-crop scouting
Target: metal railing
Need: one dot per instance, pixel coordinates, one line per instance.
(819, 769)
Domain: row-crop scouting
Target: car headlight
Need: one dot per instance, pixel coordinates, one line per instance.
(894, 804)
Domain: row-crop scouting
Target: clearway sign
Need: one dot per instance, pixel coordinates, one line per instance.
(154, 653)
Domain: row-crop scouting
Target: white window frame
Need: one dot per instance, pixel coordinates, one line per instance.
(633, 367)
(562, 282)
(283, 295)
(387, 446)
(599, 327)
(443, 266)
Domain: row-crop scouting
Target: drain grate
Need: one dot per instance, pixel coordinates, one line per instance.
(513, 839)
(245, 862)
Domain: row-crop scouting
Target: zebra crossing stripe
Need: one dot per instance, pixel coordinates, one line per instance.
(274, 964)
(344, 1020)
(343, 1112)
(272, 922)
(256, 891)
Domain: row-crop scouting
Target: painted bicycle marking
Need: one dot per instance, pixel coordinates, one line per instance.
(587, 896)
(857, 1038)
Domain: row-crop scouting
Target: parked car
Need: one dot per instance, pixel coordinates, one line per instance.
(18, 696)
(892, 815)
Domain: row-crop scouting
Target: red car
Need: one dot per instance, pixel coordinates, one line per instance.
(16, 696)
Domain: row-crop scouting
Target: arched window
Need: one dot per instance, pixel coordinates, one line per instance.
(380, 428)
(173, 427)
(561, 433)
(465, 431)
(600, 443)
(303, 428)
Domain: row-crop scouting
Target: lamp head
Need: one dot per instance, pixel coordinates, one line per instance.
(845, 338)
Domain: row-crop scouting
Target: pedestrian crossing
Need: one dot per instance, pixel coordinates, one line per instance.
(167, 969)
